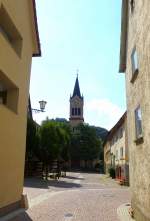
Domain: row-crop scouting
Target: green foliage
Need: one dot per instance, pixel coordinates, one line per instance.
(32, 139)
(50, 140)
(55, 141)
(101, 132)
(85, 143)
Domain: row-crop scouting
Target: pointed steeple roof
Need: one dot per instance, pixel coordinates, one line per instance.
(76, 91)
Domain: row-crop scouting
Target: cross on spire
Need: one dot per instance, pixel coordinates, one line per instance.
(77, 73)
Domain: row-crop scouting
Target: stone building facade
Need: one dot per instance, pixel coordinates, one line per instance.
(116, 150)
(19, 41)
(135, 62)
(107, 156)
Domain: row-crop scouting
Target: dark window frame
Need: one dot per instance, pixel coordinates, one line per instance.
(132, 5)
(9, 93)
(121, 152)
(72, 111)
(134, 64)
(10, 32)
(79, 111)
(117, 155)
(3, 96)
(138, 122)
(76, 111)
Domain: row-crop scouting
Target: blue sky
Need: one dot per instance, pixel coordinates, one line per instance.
(84, 35)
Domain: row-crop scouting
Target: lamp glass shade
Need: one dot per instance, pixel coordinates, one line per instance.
(42, 105)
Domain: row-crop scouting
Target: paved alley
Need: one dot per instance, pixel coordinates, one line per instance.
(78, 197)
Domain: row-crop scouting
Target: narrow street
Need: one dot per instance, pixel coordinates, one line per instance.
(78, 197)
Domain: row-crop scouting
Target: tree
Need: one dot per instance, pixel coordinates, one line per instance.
(65, 153)
(32, 140)
(89, 143)
(54, 137)
(85, 143)
(32, 143)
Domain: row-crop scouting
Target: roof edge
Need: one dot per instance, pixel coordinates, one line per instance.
(123, 38)
(38, 54)
(115, 127)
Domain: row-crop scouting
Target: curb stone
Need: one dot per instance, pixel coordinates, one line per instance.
(123, 212)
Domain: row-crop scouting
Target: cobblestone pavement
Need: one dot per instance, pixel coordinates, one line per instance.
(78, 197)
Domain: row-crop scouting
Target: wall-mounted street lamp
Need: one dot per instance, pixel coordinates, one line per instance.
(42, 107)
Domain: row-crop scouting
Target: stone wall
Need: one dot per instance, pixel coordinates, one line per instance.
(107, 157)
(138, 93)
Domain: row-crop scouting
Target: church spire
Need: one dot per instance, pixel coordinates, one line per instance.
(76, 105)
(76, 91)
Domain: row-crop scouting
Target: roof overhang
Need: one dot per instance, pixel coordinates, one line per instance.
(37, 49)
(123, 40)
(116, 127)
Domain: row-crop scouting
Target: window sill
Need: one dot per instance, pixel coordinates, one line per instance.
(134, 76)
(8, 109)
(139, 140)
(122, 158)
(18, 54)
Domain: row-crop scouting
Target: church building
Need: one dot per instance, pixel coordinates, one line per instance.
(76, 106)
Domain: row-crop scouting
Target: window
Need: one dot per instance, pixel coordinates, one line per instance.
(114, 160)
(9, 31)
(3, 95)
(9, 93)
(132, 5)
(116, 137)
(138, 122)
(121, 133)
(72, 111)
(134, 61)
(79, 111)
(116, 154)
(121, 152)
(76, 111)
(113, 141)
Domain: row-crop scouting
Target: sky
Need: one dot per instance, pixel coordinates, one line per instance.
(84, 35)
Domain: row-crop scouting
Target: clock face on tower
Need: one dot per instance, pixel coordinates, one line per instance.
(77, 103)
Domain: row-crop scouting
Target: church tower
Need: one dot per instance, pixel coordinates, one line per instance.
(76, 106)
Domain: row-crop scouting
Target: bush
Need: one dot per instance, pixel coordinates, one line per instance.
(112, 173)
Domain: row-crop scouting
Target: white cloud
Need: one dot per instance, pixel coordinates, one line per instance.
(107, 112)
